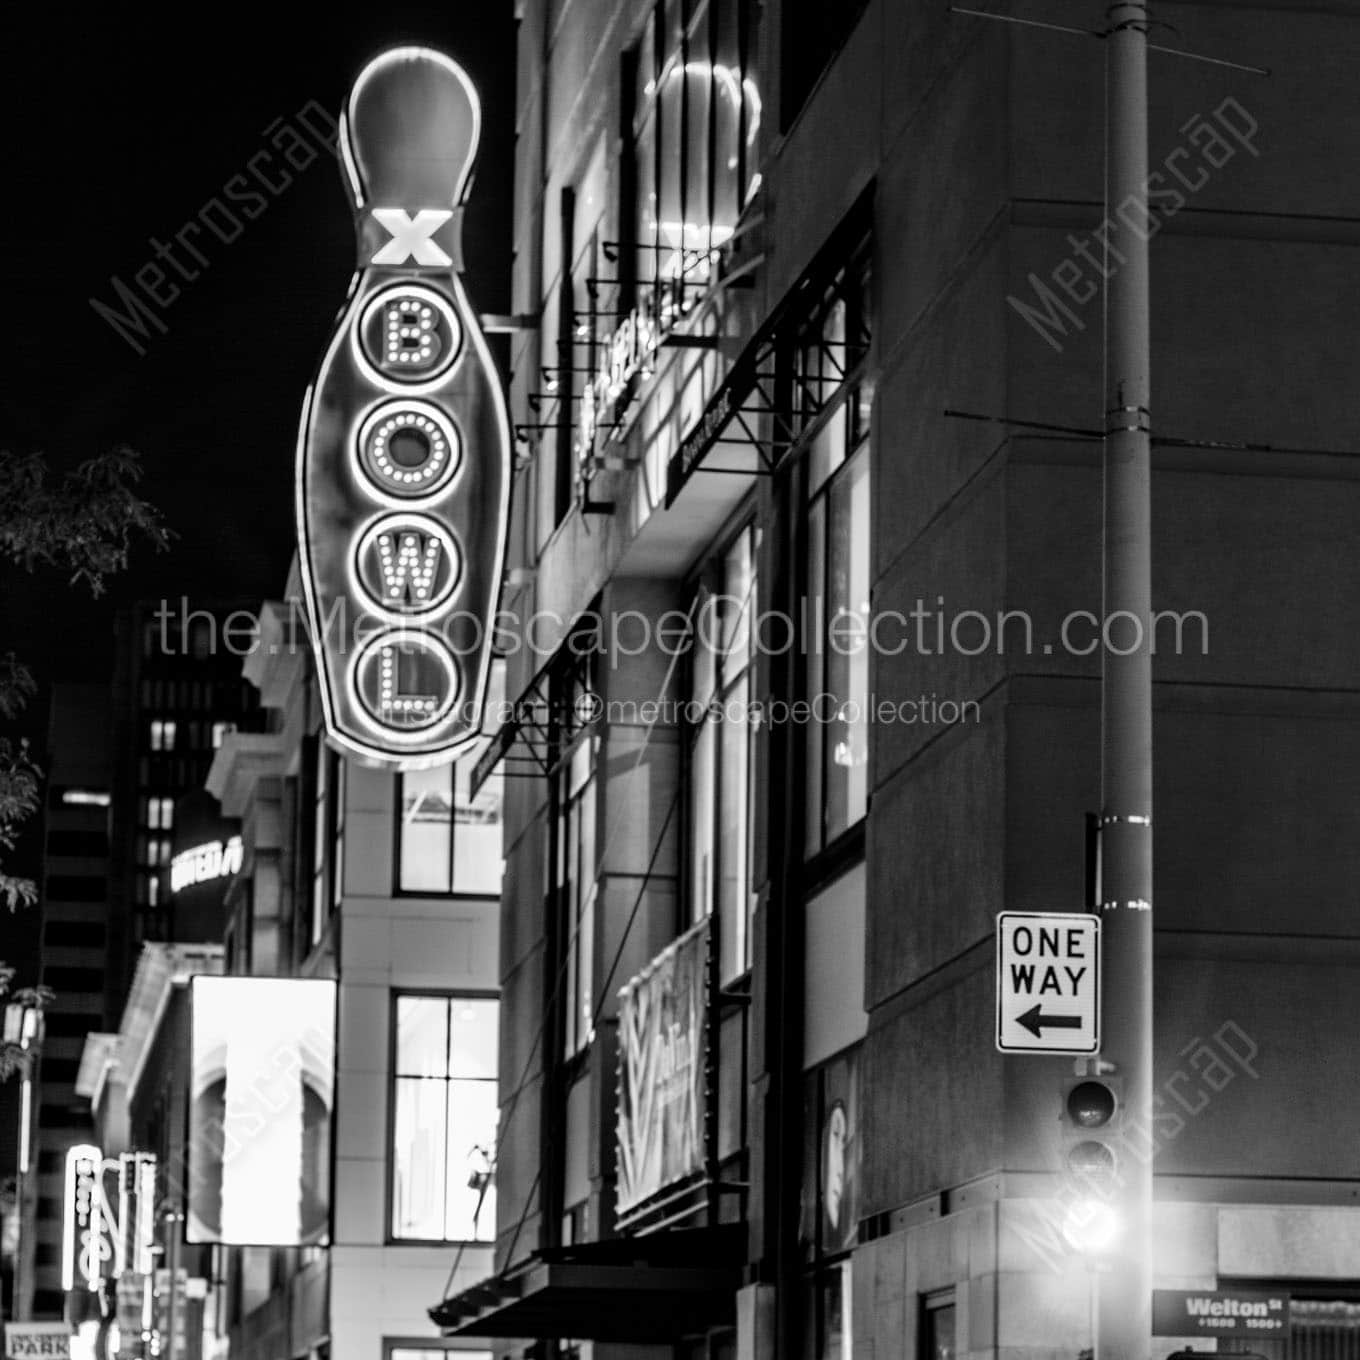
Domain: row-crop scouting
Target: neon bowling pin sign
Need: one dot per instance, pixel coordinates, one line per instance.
(403, 475)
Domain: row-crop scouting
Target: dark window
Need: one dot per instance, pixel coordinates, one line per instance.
(74, 934)
(74, 979)
(76, 888)
(79, 844)
(814, 31)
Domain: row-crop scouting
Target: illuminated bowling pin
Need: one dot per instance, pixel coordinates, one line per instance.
(403, 475)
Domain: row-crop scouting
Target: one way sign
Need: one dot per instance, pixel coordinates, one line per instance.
(1047, 982)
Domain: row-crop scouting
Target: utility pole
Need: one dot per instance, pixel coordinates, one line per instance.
(1124, 1318)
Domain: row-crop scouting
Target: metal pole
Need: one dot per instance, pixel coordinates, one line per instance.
(173, 1220)
(1124, 1317)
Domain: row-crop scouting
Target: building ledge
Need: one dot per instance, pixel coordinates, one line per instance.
(276, 662)
(243, 759)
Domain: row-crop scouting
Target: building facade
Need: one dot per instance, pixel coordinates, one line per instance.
(387, 885)
(803, 655)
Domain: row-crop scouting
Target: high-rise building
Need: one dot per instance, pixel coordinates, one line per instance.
(177, 692)
(807, 679)
(74, 904)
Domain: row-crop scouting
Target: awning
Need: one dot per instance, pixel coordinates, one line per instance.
(647, 1290)
(763, 405)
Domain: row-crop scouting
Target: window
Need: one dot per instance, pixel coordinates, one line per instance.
(831, 1170)
(444, 1118)
(219, 732)
(938, 1323)
(814, 32)
(448, 838)
(695, 117)
(159, 813)
(576, 869)
(328, 839)
(162, 735)
(838, 528)
(722, 753)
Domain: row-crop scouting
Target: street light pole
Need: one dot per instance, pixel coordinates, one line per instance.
(1124, 1317)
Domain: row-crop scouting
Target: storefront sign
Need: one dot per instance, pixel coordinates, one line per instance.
(661, 1071)
(202, 863)
(626, 357)
(1219, 1312)
(403, 472)
(37, 1341)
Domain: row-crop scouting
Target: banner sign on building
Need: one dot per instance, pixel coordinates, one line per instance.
(137, 1211)
(660, 1131)
(261, 1080)
(91, 1238)
(1220, 1312)
(403, 465)
(37, 1341)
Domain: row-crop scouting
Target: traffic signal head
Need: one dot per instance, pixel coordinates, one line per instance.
(1091, 1115)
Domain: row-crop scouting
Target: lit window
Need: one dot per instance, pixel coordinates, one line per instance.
(444, 1120)
(219, 732)
(162, 735)
(85, 798)
(576, 871)
(722, 754)
(838, 529)
(153, 890)
(449, 839)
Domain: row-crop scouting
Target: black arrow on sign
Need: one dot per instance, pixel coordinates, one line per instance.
(1034, 1020)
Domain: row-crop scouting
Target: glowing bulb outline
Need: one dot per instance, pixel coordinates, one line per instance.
(439, 487)
(370, 653)
(397, 524)
(428, 382)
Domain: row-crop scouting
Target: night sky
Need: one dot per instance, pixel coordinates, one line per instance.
(115, 134)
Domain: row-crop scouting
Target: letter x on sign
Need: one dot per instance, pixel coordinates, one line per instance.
(1047, 982)
(411, 236)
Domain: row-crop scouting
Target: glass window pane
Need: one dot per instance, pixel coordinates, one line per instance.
(732, 825)
(477, 835)
(728, 131)
(470, 1214)
(422, 1036)
(420, 1144)
(426, 830)
(472, 1037)
(847, 659)
(739, 586)
(702, 799)
(815, 677)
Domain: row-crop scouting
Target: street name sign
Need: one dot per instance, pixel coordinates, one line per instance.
(1047, 982)
(1220, 1312)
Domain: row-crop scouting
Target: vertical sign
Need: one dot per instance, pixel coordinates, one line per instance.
(403, 476)
(91, 1246)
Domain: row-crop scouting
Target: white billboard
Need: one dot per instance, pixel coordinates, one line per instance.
(263, 1072)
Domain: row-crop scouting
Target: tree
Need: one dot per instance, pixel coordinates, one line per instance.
(82, 522)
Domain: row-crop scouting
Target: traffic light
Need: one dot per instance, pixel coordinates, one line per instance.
(1092, 1115)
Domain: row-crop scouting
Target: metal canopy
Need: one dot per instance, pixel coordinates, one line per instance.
(768, 402)
(656, 1289)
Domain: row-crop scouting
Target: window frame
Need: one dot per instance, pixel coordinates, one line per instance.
(394, 996)
(709, 582)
